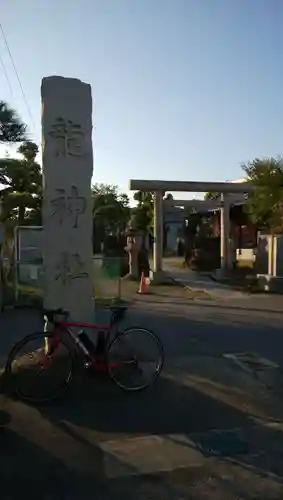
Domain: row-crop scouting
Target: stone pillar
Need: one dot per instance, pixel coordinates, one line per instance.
(132, 250)
(271, 256)
(67, 208)
(225, 233)
(158, 232)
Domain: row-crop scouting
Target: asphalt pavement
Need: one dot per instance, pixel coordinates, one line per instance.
(205, 430)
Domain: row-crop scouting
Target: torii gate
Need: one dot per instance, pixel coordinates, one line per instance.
(159, 187)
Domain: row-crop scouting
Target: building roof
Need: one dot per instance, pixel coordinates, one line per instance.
(241, 179)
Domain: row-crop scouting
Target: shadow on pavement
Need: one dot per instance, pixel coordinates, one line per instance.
(166, 408)
(247, 459)
(27, 470)
(244, 455)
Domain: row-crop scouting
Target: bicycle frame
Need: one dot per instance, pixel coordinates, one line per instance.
(61, 341)
(90, 326)
(61, 327)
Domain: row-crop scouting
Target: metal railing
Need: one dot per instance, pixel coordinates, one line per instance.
(107, 283)
(28, 271)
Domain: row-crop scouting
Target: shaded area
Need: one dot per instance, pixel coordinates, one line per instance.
(215, 408)
(239, 456)
(26, 468)
(213, 481)
(166, 408)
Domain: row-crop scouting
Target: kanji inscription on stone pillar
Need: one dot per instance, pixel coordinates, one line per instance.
(67, 205)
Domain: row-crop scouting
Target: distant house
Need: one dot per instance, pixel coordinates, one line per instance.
(241, 230)
(173, 220)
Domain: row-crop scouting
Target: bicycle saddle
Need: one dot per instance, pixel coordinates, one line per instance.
(50, 313)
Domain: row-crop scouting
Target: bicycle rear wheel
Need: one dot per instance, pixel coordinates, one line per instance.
(135, 359)
(36, 375)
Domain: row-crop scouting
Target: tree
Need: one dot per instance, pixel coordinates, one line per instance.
(194, 221)
(143, 212)
(11, 127)
(211, 195)
(111, 211)
(264, 206)
(169, 197)
(22, 194)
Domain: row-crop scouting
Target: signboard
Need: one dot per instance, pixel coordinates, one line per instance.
(28, 257)
(28, 244)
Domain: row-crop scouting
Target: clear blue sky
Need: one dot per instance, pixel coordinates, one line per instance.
(182, 89)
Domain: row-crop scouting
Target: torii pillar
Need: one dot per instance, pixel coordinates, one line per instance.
(158, 236)
(225, 247)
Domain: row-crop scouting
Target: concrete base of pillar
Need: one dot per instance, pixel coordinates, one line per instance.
(271, 284)
(160, 278)
(221, 274)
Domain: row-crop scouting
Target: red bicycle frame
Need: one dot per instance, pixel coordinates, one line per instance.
(91, 326)
(66, 327)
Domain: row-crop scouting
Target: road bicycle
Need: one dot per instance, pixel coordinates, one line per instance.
(42, 365)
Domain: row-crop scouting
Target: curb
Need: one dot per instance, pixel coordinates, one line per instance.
(197, 292)
(213, 278)
(221, 282)
(248, 291)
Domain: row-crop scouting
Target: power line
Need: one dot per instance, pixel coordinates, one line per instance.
(17, 74)
(6, 75)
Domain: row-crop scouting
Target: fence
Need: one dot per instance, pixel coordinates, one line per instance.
(29, 272)
(107, 281)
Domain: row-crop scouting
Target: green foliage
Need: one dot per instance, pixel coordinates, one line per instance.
(169, 197)
(111, 210)
(264, 206)
(143, 212)
(211, 195)
(22, 195)
(11, 127)
(194, 221)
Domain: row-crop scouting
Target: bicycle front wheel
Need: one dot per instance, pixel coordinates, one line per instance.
(135, 359)
(38, 374)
